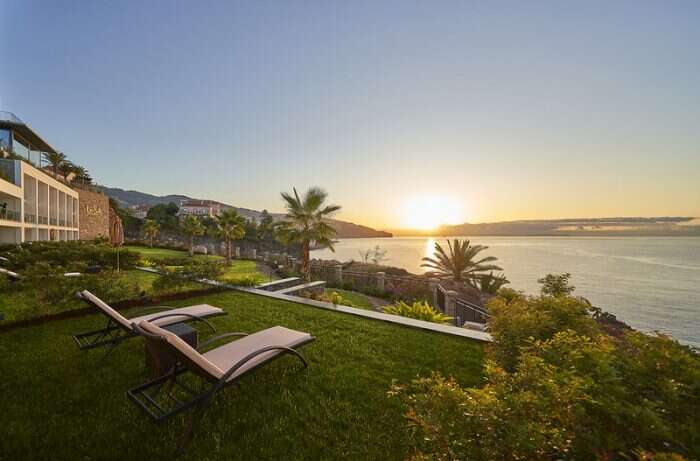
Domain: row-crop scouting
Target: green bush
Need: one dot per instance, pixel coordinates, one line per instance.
(53, 292)
(516, 321)
(248, 280)
(175, 278)
(418, 310)
(559, 388)
(71, 256)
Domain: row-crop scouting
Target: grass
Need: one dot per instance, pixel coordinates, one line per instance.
(60, 403)
(146, 252)
(357, 299)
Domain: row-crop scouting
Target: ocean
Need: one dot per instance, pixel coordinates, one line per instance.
(651, 283)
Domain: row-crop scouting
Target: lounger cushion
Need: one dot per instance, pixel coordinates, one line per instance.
(224, 357)
(11, 275)
(184, 348)
(200, 310)
(107, 309)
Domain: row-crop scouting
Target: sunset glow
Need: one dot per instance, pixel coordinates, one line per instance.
(426, 212)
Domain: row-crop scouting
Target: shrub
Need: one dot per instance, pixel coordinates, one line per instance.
(516, 321)
(568, 391)
(417, 310)
(248, 280)
(53, 292)
(176, 278)
(71, 256)
(408, 290)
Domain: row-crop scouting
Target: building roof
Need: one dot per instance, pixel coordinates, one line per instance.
(10, 120)
(207, 203)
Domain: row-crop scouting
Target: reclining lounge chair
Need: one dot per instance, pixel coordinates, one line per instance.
(217, 368)
(13, 276)
(119, 328)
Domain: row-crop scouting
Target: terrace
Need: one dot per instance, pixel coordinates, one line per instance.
(337, 408)
(65, 404)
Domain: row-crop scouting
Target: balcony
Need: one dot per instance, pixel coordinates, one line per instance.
(10, 215)
(30, 218)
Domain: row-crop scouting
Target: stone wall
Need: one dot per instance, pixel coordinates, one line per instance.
(94, 215)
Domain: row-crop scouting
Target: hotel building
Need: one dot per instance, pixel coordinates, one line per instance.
(33, 204)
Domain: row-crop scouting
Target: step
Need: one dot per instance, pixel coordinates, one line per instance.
(278, 284)
(319, 285)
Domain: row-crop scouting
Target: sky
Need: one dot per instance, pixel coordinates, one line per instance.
(405, 112)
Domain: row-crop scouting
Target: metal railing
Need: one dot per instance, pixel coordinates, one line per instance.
(30, 218)
(43, 220)
(10, 215)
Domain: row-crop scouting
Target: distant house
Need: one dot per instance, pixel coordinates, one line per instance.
(200, 208)
(139, 211)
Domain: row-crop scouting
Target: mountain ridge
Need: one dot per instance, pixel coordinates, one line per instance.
(130, 198)
(662, 226)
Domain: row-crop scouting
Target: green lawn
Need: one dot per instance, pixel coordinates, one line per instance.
(61, 403)
(166, 253)
(357, 299)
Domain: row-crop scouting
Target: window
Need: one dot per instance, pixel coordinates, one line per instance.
(5, 139)
(20, 147)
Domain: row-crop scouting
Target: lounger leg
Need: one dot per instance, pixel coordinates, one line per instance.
(110, 349)
(187, 436)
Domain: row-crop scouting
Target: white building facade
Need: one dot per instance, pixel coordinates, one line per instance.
(33, 205)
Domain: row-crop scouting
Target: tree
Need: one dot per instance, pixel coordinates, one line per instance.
(66, 168)
(230, 227)
(55, 160)
(492, 283)
(266, 226)
(150, 230)
(165, 215)
(192, 228)
(81, 174)
(305, 223)
(556, 285)
(459, 264)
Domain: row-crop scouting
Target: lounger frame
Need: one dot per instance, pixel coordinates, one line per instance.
(145, 396)
(114, 333)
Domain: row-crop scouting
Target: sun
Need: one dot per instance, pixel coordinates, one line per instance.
(427, 212)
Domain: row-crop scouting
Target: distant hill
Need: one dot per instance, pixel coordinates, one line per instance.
(128, 198)
(659, 226)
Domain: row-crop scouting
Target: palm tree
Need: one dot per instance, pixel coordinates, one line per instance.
(81, 174)
(305, 223)
(66, 168)
(55, 159)
(489, 283)
(150, 230)
(192, 227)
(229, 226)
(459, 264)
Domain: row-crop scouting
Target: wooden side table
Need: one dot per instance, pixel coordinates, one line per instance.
(158, 358)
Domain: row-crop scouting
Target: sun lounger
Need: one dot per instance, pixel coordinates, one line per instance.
(217, 368)
(13, 276)
(119, 328)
